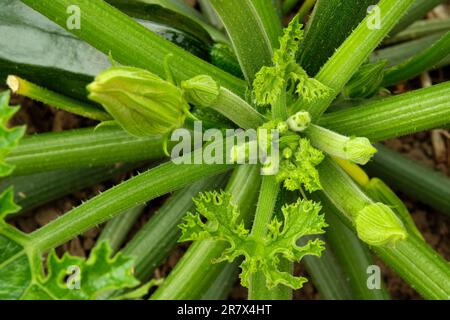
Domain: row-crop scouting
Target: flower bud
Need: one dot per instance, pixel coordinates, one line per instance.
(378, 225)
(201, 91)
(299, 122)
(366, 82)
(140, 101)
(359, 150)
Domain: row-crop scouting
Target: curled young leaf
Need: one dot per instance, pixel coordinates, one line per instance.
(260, 254)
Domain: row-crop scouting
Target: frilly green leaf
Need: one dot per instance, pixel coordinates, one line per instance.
(289, 43)
(9, 137)
(286, 76)
(222, 222)
(299, 169)
(268, 85)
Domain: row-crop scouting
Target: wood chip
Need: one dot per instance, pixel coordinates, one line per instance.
(439, 146)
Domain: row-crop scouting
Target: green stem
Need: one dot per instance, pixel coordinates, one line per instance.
(237, 110)
(380, 192)
(356, 49)
(279, 108)
(328, 276)
(288, 5)
(420, 29)
(418, 264)
(352, 254)
(253, 49)
(116, 230)
(32, 91)
(394, 116)
(271, 20)
(421, 62)
(82, 148)
(34, 190)
(195, 273)
(130, 43)
(411, 258)
(266, 204)
(411, 177)
(306, 8)
(222, 285)
(331, 17)
(135, 191)
(179, 7)
(402, 52)
(264, 211)
(157, 238)
(210, 14)
(417, 11)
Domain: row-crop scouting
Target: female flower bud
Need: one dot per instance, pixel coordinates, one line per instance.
(378, 225)
(140, 101)
(201, 91)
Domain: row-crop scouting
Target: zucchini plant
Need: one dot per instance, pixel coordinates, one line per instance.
(284, 119)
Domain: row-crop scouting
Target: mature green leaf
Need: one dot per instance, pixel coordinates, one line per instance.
(112, 31)
(181, 8)
(35, 48)
(224, 223)
(22, 273)
(44, 53)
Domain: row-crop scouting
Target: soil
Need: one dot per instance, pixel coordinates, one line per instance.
(430, 148)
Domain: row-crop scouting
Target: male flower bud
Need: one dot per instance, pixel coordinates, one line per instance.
(299, 122)
(359, 150)
(141, 102)
(378, 225)
(201, 90)
(356, 149)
